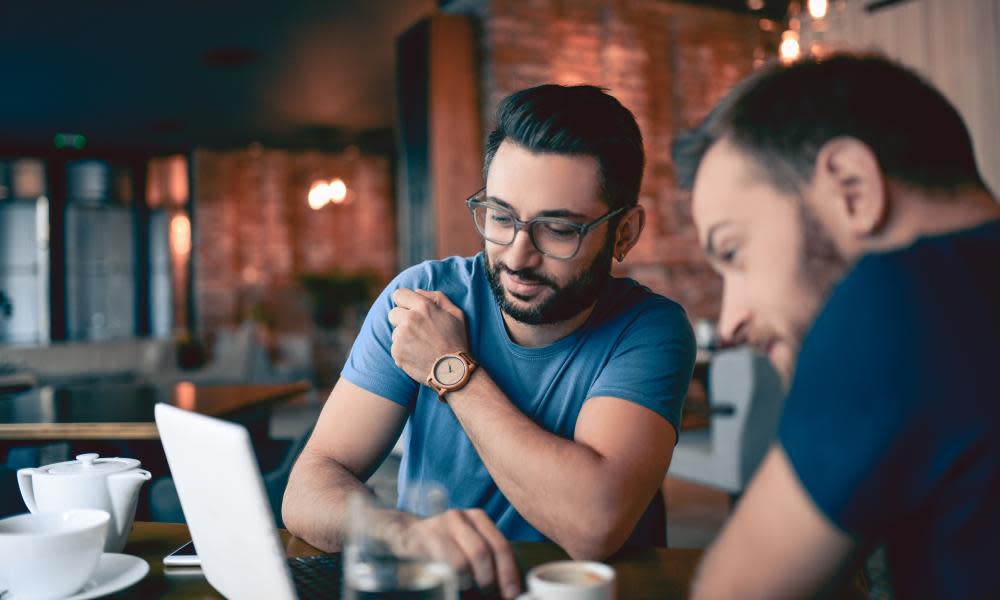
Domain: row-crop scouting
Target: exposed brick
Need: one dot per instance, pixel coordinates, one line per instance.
(255, 235)
(668, 63)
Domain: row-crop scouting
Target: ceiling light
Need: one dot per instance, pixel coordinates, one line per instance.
(818, 8)
(789, 48)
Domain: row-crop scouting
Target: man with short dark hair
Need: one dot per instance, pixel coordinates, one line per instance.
(841, 203)
(544, 394)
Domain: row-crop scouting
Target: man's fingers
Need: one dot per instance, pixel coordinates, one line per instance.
(477, 550)
(407, 298)
(428, 539)
(433, 296)
(507, 573)
(443, 302)
(396, 316)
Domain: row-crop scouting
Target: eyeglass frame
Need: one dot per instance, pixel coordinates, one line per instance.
(581, 229)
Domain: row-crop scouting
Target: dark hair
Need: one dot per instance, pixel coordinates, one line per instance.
(781, 116)
(580, 119)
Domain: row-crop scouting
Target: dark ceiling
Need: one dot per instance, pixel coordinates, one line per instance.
(159, 76)
(172, 75)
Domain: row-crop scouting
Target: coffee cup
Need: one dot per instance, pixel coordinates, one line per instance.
(571, 580)
(51, 555)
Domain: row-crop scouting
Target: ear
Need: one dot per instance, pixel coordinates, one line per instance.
(629, 228)
(848, 173)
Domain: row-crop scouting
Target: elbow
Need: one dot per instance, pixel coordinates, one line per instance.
(593, 546)
(598, 538)
(289, 514)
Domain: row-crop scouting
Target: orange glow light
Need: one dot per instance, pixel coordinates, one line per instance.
(789, 48)
(319, 195)
(180, 235)
(185, 396)
(818, 8)
(338, 191)
(324, 192)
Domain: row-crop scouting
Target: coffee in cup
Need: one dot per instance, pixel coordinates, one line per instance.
(51, 555)
(571, 579)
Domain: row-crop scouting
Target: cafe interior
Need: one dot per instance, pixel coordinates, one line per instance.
(199, 201)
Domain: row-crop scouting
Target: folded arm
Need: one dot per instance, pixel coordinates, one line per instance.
(585, 494)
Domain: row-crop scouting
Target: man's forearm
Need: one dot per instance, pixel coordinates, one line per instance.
(315, 504)
(565, 489)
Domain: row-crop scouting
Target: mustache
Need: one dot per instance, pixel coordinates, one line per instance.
(525, 274)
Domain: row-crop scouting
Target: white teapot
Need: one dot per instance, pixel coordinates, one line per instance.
(111, 484)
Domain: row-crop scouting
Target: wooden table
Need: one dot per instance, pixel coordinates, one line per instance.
(646, 574)
(123, 411)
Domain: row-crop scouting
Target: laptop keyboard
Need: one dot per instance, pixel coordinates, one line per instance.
(317, 577)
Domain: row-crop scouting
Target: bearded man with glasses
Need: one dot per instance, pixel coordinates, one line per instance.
(541, 392)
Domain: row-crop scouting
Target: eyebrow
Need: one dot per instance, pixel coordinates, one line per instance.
(710, 251)
(562, 212)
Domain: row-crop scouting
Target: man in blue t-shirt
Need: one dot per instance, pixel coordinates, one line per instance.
(841, 202)
(542, 393)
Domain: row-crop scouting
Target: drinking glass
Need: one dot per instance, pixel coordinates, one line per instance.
(374, 565)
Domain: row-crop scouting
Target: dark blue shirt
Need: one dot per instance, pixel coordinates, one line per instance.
(893, 419)
(636, 345)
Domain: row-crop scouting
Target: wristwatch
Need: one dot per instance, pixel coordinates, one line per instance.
(450, 373)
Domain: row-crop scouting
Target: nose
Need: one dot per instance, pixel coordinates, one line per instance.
(735, 316)
(521, 253)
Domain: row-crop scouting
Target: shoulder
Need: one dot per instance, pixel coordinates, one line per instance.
(629, 301)
(440, 275)
(882, 292)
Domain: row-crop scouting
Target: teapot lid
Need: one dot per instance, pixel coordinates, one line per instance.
(90, 464)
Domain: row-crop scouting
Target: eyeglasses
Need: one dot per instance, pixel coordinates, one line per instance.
(553, 237)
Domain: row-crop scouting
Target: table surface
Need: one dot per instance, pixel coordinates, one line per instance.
(642, 574)
(122, 411)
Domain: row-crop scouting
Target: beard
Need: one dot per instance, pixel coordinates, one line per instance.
(565, 302)
(821, 267)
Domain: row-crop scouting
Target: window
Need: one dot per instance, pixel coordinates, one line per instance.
(24, 258)
(100, 252)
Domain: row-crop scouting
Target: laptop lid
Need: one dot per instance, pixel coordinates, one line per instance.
(225, 505)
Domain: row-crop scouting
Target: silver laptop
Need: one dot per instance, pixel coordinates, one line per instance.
(227, 511)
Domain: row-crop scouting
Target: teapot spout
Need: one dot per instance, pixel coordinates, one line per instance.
(123, 488)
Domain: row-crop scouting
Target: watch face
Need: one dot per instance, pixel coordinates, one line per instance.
(449, 370)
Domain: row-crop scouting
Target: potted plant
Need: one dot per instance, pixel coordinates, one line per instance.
(336, 293)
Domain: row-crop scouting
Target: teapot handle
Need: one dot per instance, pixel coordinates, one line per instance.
(27, 490)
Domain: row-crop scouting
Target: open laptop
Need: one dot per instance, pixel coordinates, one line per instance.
(227, 511)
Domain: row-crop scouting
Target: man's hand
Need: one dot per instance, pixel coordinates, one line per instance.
(426, 325)
(469, 542)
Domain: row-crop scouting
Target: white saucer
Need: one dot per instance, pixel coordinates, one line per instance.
(114, 573)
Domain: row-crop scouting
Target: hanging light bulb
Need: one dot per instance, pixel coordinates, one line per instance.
(818, 8)
(789, 49)
(337, 190)
(319, 195)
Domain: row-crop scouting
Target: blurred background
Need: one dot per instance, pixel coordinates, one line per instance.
(175, 171)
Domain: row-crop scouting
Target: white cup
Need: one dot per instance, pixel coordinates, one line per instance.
(51, 555)
(571, 580)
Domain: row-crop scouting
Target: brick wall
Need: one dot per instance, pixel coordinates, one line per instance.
(254, 233)
(668, 63)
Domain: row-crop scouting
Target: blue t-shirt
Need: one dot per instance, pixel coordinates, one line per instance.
(893, 419)
(636, 345)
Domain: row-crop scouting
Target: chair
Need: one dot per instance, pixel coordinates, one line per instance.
(746, 396)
